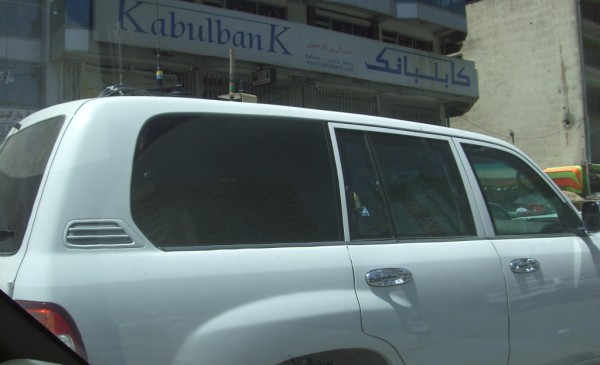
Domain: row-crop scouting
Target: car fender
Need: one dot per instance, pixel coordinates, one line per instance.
(281, 328)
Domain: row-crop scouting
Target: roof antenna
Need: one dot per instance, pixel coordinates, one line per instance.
(159, 72)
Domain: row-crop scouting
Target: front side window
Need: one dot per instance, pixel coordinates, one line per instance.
(519, 201)
(217, 180)
(402, 187)
(23, 160)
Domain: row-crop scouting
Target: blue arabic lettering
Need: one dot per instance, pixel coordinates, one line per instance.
(398, 62)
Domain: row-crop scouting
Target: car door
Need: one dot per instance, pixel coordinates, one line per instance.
(550, 264)
(423, 270)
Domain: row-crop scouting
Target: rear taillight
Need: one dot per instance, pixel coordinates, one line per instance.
(58, 321)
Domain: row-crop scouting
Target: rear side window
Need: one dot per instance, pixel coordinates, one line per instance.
(220, 180)
(23, 160)
(519, 201)
(402, 187)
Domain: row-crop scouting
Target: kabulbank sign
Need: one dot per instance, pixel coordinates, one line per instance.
(208, 28)
(204, 30)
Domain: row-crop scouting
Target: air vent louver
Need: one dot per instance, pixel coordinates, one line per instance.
(97, 233)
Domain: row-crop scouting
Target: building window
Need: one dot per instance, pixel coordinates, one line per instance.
(593, 107)
(215, 3)
(593, 100)
(455, 6)
(342, 26)
(21, 19)
(591, 52)
(71, 13)
(339, 22)
(246, 6)
(78, 13)
(594, 138)
(255, 7)
(590, 10)
(405, 41)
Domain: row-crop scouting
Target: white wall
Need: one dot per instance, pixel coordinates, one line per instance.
(527, 56)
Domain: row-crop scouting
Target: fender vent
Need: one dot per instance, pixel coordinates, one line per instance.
(97, 233)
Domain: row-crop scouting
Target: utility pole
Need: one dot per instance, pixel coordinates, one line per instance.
(231, 73)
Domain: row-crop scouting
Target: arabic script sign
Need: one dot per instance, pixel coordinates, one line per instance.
(204, 30)
(420, 68)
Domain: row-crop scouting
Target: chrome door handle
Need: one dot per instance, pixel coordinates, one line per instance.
(524, 265)
(388, 277)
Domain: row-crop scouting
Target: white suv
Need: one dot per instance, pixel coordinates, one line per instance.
(151, 230)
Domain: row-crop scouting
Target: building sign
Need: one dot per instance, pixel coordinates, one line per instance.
(420, 68)
(204, 30)
(263, 77)
(6, 77)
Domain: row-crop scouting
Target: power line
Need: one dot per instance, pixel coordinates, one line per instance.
(480, 127)
(504, 135)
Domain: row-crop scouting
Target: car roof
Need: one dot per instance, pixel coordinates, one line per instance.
(156, 105)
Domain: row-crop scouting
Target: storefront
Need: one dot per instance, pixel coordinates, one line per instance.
(91, 45)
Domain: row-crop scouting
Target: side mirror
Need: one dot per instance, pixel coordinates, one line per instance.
(591, 216)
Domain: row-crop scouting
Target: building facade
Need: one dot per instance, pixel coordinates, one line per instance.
(539, 77)
(384, 57)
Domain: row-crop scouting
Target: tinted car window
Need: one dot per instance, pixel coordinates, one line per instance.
(408, 184)
(214, 180)
(23, 159)
(520, 202)
(367, 212)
